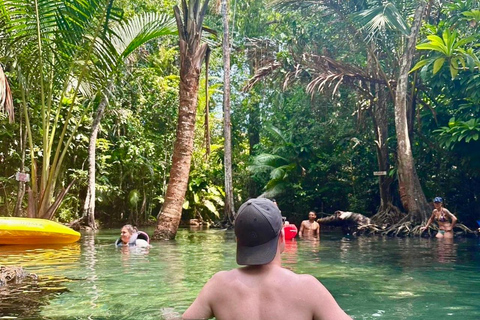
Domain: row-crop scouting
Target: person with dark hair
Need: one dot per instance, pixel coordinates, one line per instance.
(445, 219)
(310, 228)
(258, 291)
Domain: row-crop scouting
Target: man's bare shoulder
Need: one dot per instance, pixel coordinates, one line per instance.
(222, 276)
(309, 284)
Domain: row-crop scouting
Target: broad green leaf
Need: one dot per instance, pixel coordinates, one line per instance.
(420, 64)
(437, 65)
(464, 41)
(462, 61)
(211, 207)
(429, 46)
(453, 68)
(436, 40)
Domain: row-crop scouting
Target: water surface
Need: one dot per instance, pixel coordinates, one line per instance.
(371, 278)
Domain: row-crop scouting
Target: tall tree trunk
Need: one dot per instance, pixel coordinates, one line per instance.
(21, 184)
(229, 204)
(253, 126)
(380, 124)
(380, 121)
(414, 201)
(89, 205)
(192, 54)
(253, 139)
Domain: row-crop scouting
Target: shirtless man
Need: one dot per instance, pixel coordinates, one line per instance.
(445, 219)
(262, 290)
(310, 228)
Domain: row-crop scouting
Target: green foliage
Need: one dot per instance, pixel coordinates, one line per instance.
(458, 131)
(450, 49)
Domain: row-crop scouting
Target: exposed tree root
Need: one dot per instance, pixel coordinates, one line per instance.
(357, 224)
(389, 216)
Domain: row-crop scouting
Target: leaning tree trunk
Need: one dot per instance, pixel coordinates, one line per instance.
(414, 201)
(89, 205)
(227, 127)
(192, 54)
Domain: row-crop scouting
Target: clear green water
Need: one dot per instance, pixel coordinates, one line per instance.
(371, 278)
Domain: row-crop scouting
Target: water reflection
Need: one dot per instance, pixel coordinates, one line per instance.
(446, 250)
(290, 255)
(41, 258)
(91, 274)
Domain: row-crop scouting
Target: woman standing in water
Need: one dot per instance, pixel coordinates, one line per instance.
(445, 219)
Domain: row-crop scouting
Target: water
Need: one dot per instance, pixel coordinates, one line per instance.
(371, 278)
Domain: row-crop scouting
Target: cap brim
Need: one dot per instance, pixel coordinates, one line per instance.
(258, 255)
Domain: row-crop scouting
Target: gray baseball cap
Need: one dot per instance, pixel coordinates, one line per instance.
(258, 225)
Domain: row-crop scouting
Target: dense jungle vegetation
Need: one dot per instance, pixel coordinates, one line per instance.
(316, 108)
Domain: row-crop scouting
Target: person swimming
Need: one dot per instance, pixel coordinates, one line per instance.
(131, 237)
(445, 219)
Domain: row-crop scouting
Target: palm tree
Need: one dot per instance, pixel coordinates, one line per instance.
(59, 50)
(192, 54)
(127, 36)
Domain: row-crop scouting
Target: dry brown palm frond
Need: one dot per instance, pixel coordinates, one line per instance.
(260, 74)
(6, 99)
(325, 71)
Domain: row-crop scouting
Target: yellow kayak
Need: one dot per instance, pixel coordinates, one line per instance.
(35, 231)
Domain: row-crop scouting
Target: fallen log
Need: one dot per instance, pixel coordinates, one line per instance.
(350, 222)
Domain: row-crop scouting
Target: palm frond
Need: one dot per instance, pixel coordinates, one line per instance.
(380, 18)
(275, 187)
(281, 172)
(266, 162)
(140, 29)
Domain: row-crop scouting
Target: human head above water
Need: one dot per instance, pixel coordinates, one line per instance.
(126, 233)
(258, 224)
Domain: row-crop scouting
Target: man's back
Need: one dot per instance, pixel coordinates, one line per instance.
(268, 292)
(263, 290)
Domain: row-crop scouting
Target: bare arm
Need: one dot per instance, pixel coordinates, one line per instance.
(452, 216)
(324, 305)
(316, 233)
(428, 222)
(201, 307)
(302, 228)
